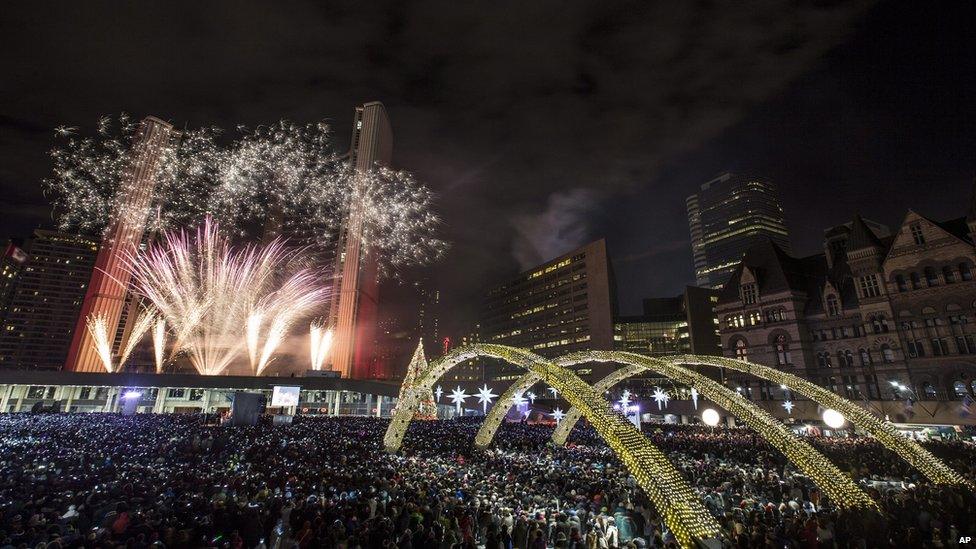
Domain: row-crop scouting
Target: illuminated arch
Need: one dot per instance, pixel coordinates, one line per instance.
(498, 412)
(677, 502)
(909, 450)
(838, 486)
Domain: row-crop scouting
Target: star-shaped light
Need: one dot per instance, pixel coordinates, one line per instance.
(484, 397)
(437, 393)
(531, 396)
(519, 399)
(661, 397)
(694, 397)
(554, 392)
(458, 396)
(624, 399)
(788, 405)
(558, 414)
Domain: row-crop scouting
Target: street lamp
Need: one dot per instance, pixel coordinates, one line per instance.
(710, 417)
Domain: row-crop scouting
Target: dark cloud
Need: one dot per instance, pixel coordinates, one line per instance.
(564, 224)
(516, 113)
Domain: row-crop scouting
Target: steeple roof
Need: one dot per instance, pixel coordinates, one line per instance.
(862, 236)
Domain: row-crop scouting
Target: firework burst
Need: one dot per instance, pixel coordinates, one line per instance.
(159, 343)
(214, 297)
(320, 341)
(143, 323)
(98, 328)
(284, 178)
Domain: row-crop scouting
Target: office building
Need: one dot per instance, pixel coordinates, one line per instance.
(470, 370)
(109, 283)
(44, 297)
(729, 214)
(11, 265)
(682, 324)
(563, 305)
(353, 313)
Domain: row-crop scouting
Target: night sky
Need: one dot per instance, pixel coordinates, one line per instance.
(539, 124)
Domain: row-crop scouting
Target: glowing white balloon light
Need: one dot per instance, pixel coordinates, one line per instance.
(710, 417)
(833, 418)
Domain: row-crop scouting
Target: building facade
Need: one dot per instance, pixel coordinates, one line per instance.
(672, 325)
(878, 315)
(729, 214)
(353, 313)
(44, 296)
(563, 305)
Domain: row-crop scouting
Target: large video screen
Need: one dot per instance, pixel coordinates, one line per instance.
(284, 396)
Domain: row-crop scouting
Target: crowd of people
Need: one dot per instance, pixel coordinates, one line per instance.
(104, 480)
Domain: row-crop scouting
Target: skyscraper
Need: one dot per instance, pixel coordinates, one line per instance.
(110, 279)
(728, 215)
(43, 298)
(353, 311)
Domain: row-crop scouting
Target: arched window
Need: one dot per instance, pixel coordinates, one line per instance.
(865, 356)
(916, 281)
(959, 388)
(928, 390)
(783, 357)
(931, 278)
(948, 274)
(823, 360)
(965, 272)
(902, 283)
(972, 386)
(741, 350)
(848, 357)
(833, 306)
(887, 355)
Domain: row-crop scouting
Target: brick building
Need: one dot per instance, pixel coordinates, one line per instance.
(877, 315)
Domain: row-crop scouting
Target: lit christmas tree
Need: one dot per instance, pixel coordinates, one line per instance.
(416, 369)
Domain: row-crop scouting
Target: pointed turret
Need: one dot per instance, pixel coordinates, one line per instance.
(862, 236)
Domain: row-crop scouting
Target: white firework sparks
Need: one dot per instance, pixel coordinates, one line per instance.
(252, 336)
(159, 343)
(143, 323)
(320, 341)
(207, 292)
(284, 178)
(98, 328)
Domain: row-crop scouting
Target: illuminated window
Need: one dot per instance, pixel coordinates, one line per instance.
(783, 357)
(887, 355)
(741, 350)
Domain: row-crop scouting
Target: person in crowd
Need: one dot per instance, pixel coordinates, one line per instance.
(104, 481)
